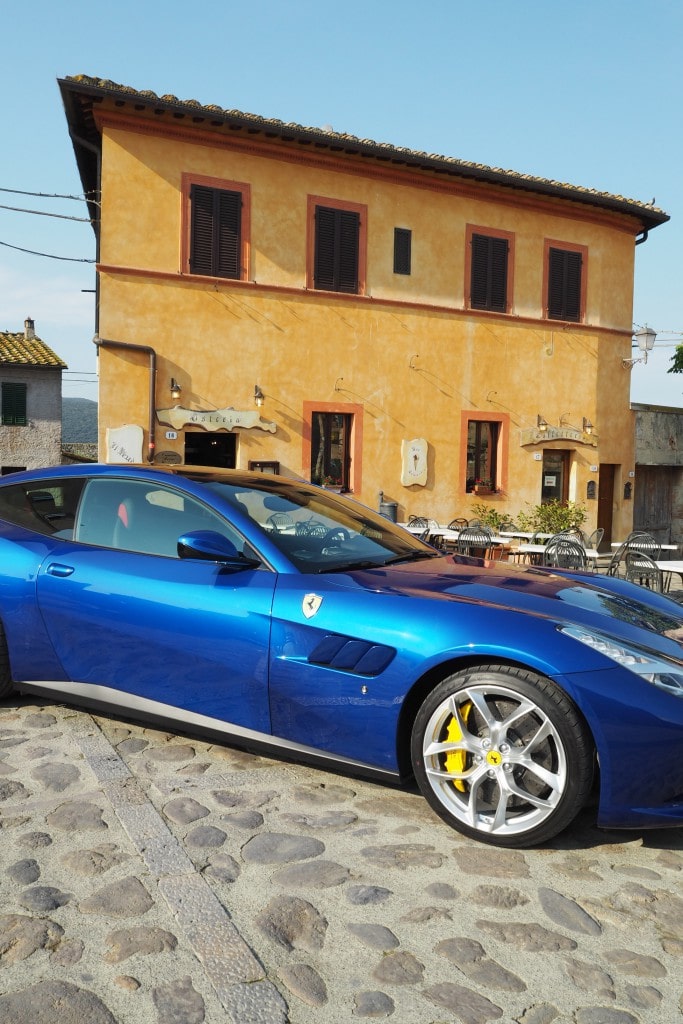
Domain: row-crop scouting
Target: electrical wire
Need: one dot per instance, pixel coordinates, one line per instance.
(48, 255)
(44, 213)
(46, 195)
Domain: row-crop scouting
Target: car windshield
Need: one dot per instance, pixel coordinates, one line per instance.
(320, 531)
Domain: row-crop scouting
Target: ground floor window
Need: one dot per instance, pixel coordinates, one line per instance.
(482, 455)
(332, 444)
(331, 449)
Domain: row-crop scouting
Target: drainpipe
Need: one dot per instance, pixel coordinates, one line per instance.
(643, 237)
(108, 343)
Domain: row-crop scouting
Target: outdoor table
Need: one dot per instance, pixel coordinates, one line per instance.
(526, 535)
(536, 552)
(669, 566)
(664, 547)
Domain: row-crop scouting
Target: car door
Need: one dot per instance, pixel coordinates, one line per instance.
(126, 615)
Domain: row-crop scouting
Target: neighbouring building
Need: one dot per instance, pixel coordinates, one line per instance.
(379, 320)
(658, 505)
(30, 401)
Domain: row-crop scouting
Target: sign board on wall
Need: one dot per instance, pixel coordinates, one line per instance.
(124, 444)
(414, 462)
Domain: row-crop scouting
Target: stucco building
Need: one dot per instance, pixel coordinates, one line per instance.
(359, 314)
(30, 401)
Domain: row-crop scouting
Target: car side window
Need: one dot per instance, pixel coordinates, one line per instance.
(148, 518)
(47, 506)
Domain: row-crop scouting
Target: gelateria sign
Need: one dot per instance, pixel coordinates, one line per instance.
(534, 436)
(214, 419)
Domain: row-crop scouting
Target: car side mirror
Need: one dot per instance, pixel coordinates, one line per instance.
(210, 546)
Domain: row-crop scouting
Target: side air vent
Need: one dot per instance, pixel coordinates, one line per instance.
(347, 655)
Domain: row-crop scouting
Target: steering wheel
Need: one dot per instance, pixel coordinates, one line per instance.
(337, 535)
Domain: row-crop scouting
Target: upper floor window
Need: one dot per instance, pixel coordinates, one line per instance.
(403, 238)
(489, 281)
(217, 230)
(14, 404)
(336, 246)
(565, 268)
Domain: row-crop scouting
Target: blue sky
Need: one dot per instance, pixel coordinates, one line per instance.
(588, 92)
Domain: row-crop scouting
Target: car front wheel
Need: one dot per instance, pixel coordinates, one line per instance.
(502, 755)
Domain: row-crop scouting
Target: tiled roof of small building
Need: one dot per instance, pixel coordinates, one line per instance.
(17, 350)
(81, 93)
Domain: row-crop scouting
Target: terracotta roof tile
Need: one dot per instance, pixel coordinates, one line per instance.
(17, 350)
(384, 151)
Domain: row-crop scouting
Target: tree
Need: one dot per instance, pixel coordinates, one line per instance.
(677, 361)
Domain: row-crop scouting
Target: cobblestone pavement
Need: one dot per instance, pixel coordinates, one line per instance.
(151, 878)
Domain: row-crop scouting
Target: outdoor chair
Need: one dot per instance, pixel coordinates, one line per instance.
(424, 524)
(564, 552)
(639, 540)
(613, 567)
(643, 570)
(475, 540)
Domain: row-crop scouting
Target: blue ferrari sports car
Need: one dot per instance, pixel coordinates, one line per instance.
(274, 614)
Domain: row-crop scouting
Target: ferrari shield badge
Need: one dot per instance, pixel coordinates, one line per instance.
(310, 605)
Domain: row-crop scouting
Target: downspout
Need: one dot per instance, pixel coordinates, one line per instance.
(643, 237)
(108, 343)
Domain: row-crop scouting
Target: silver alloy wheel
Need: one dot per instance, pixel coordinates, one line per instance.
(494, 759)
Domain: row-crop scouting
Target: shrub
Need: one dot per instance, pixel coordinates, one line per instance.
(552, 517)
(490, 516)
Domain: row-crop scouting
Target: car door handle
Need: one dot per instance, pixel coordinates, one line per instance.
(57, 569)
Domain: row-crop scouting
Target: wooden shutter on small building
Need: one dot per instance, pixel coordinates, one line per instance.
(488, 282)
(564, 284)
(14, 404)
(215, 242)
(336, 249)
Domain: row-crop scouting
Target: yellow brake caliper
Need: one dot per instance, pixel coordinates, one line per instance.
(456, 761)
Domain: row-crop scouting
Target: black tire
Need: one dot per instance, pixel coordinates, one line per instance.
(502, 755)
(6, 684)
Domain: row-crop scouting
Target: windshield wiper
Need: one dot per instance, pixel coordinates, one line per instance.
(368, 563)
(413, 556)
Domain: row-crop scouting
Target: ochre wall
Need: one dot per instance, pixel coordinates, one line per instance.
(407, 351)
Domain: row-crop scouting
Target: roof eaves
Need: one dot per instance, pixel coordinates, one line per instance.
(236, 120)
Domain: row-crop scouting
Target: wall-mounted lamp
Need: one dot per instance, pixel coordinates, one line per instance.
(587, 426)
(645, 341)
(259, 397)
(541, 423)
(175, 389)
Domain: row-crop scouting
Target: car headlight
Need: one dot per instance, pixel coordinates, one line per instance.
(667, 675)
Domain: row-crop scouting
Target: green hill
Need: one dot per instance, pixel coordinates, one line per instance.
(79, 421)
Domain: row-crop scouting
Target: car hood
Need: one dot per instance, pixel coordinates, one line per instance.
(598, 602)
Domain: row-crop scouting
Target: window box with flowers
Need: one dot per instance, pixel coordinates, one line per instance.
(484, 487)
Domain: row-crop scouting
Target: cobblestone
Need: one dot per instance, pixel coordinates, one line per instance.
(150, 879)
